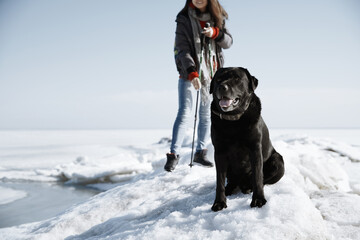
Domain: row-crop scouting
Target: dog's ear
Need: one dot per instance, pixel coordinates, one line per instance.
(212, 83)
(253, 82)
(212, 86)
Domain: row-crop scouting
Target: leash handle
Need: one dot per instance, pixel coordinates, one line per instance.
(207, 25)
(209, 47)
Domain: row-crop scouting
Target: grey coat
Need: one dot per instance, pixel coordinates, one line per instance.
(185, 54)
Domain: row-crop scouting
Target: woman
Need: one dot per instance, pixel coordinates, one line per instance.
(198, 54)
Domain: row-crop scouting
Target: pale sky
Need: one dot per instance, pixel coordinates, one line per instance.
(86, 64)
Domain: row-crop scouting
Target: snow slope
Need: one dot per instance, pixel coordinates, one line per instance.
(318, 198)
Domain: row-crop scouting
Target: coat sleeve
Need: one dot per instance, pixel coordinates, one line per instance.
(224, 40)
(183, 48)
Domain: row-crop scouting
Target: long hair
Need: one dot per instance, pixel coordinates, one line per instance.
(214, 8)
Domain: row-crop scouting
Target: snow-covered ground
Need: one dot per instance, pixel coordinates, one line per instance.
(9, 195)
(318, 198)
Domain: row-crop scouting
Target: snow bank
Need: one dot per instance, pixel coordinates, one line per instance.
(9, 195)
(169, 205)
(340, 211)
(27, 175)
(311, 166)
(316, 199)
(84, 170)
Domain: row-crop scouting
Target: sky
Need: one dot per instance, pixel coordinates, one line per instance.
(89, 64)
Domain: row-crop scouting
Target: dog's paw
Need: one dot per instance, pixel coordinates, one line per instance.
(258, 202)
(218, 206)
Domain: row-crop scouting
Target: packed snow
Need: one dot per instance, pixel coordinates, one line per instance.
(9, 195)
(318, 197)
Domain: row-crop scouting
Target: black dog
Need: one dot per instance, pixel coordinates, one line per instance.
(243, 150)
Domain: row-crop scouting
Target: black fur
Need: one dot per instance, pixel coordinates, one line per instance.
(244, 154)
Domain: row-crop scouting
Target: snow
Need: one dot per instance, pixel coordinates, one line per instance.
(9, 195)
(316, 199)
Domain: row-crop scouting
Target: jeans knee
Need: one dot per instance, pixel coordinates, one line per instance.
(182, 116)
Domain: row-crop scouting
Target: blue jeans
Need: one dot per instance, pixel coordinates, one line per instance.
(186, 103)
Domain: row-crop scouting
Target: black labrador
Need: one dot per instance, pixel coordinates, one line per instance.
(244, 154)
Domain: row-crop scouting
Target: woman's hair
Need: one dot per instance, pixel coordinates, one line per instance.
(214, 8)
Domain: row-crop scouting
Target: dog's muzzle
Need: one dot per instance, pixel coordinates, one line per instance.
(225, 103)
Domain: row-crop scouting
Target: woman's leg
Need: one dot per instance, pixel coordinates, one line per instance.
(184, 111)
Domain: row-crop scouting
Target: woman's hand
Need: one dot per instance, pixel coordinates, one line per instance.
(208, 31)
(196, 83)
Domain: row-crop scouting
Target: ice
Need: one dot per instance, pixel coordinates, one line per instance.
(8, 195)
(316, 199)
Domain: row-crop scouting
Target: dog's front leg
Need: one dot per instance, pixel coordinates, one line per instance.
(258, 198)
(220, 199)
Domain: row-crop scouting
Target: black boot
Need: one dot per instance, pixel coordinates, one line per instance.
(172, 161)
(200, 157)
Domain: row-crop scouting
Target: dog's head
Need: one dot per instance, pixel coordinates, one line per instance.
(232, 89)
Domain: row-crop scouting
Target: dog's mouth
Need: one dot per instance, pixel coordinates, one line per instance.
(225, 103)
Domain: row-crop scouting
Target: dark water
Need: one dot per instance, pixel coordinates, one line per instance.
(43, 201)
